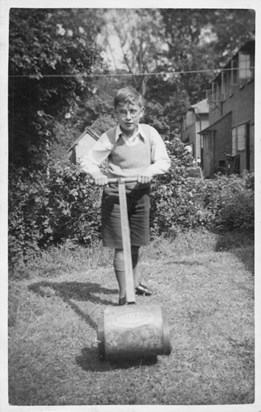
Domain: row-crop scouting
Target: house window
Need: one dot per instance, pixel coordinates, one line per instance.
(225, 84)
(239, 139)
(234, 72)
(213, 95)
(234, 141)
(245, 71)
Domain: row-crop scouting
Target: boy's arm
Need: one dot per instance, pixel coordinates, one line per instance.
(160, 161)
(90, 163)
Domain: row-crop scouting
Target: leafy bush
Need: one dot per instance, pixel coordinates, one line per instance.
(48, 209)
(172, 196)
(238, 212)
(249, 181)
(180, 202)
(61, 205)
(231, 201)
(23, 228)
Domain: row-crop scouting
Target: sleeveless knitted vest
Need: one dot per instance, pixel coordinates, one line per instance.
(128, 161)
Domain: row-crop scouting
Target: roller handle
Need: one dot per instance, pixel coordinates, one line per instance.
(122, 179)
(118, 180)
(130, 287)
(125, 230)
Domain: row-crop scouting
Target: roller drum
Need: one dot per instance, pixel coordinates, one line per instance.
(133, 332)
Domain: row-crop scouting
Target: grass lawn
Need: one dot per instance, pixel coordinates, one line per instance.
(205, 283)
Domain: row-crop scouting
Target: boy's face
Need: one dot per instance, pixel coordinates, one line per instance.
(128, 116)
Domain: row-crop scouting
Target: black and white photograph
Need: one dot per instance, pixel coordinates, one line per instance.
(146, 117)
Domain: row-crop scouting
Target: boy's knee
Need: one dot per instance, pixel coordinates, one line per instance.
(118, 260)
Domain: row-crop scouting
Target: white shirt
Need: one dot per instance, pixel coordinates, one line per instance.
(102, 148)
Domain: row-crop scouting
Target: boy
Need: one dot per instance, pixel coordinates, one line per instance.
(132, 149)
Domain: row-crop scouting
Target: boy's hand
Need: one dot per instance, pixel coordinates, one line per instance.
(100, 179)
(145, 177)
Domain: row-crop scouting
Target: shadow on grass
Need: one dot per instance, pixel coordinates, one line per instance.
(79, 291)
(69, 291)
(89, 360)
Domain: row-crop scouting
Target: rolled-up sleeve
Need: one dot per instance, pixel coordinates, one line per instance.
(159, 156)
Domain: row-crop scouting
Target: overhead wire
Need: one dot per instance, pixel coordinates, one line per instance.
(162, 73)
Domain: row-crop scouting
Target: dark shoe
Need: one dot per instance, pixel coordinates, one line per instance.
(142, 290)
(122, 301)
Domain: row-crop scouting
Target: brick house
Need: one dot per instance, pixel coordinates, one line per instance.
(195, 120)
(228, 141)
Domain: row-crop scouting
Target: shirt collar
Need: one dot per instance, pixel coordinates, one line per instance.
(140, 131)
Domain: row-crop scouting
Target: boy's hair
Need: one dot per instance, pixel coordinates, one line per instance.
(128, 95)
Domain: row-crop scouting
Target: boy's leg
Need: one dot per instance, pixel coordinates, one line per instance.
(118, 263)
(139, 218)
(119, 267)
(139, 288)
(135, 260)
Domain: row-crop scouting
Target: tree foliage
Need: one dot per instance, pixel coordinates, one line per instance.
(138, 34)
(182, 47)
(49, 49)
(204, 39)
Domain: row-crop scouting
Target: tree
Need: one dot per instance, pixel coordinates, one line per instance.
(52, 52)
(172, 54)
(138, 37)
(202, 40)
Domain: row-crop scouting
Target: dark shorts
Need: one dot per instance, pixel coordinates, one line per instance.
(138, 203)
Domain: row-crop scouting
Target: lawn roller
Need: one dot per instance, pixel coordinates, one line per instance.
(130, 331)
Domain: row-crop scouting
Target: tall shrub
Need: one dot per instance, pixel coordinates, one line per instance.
(46, 210)
(180, 202)
(172, 193)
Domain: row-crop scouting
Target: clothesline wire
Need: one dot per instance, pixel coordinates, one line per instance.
(37, 76)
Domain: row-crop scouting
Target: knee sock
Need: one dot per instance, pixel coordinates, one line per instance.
(118, 263)
(135, 259)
